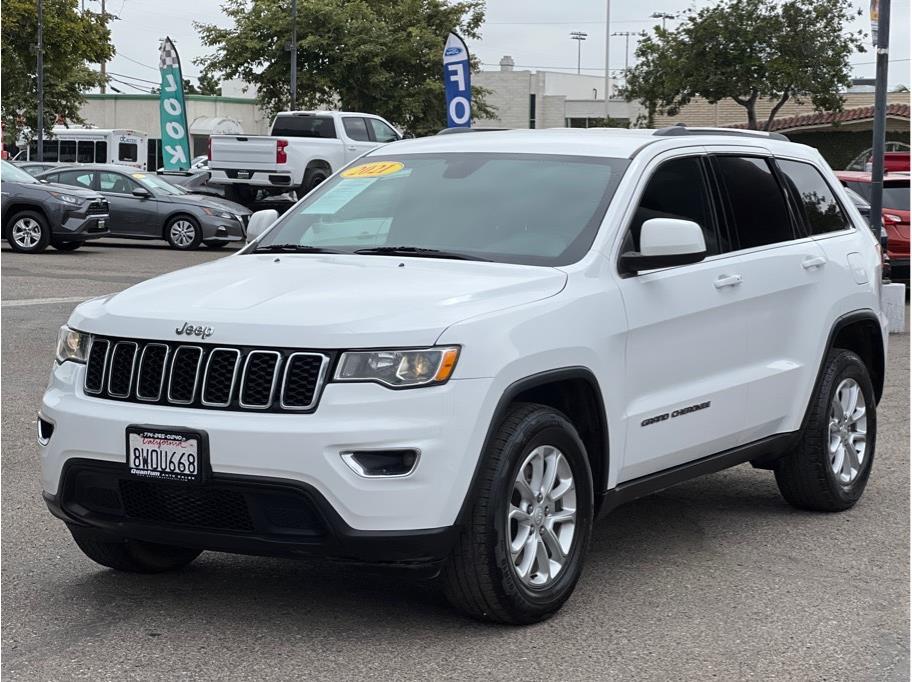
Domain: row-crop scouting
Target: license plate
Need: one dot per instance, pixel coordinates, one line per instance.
(101, 224)
(243, 175)
(165, 454)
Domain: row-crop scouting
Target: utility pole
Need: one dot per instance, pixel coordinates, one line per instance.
(880, 113)
(579, 37)
(663, 16)
(294, 54)
(607, 58)
(39, 66)
(626, 35)
(104, 67)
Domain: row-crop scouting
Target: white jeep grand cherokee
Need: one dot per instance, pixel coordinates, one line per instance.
(460, 351)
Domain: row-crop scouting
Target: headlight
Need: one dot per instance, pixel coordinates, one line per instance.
(72, 345)
(219, 214)
(67, 198)
(399, 368)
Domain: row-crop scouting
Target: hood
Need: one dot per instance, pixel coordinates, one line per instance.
(317, 301)
(209, 202)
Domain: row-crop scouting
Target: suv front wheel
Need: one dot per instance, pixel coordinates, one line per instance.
(521, 549)
(829, 469)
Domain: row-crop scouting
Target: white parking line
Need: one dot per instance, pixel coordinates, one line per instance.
(43, 301)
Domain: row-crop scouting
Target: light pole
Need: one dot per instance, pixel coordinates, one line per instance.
(579, 37)
(626, 35)
(607, 58)
(880, 113)
(663, 16)
(40, 69)
(294, 54)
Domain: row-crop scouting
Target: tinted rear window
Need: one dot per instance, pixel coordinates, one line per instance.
(816, 202)
(896, 196)
(304, 126)
(756, 202)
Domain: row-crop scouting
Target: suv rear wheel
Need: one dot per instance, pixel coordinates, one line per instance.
(521, 549)
(28, 232)
(829, 469)
(133, 556)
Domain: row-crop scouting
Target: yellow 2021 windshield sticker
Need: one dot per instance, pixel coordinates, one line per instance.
(373, 170)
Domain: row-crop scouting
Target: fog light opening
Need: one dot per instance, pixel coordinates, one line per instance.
(45, 431)
(393, 463)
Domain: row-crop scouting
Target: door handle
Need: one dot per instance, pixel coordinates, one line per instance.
(723, 281)
(813, 262)
(352, 149)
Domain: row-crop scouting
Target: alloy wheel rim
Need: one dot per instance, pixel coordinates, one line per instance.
(541, 519)
(183, 232)
(26, 233)
(847, 431)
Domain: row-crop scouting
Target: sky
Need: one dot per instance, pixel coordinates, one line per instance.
(536, 33)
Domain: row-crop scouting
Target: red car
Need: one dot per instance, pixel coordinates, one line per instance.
(895, 213)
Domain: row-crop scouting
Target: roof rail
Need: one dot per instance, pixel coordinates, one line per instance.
(681, 129)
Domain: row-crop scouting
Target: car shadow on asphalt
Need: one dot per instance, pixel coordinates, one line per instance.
(267, 594)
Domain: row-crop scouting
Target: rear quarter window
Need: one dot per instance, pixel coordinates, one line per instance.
(304, 126)
(817, 205)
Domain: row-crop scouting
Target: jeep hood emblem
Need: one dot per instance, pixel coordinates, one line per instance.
(189, 329)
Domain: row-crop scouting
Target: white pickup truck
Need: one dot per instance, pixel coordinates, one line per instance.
(303, 149)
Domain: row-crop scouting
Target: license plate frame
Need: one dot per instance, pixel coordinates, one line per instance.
(170, 439)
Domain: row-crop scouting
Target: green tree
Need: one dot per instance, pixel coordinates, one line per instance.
(75, 43)
(377, 56)
(208, 85)
(749, 51)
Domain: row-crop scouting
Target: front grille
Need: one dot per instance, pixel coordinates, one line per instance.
(97, 208)
(206, 376)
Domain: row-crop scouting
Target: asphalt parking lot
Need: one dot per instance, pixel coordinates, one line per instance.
(714, 579)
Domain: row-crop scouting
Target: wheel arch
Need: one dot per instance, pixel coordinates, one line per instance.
(860, 332)
(573, 391)
(17, 208)
(318, 164)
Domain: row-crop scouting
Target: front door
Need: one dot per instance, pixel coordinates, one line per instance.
(357, 137)
(685, 392)
(130, 215)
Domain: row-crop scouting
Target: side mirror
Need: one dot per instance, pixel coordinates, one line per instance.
(665, 242)
(259, 221)
(142, 193)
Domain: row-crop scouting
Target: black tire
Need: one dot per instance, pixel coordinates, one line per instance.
(175, 242)
(35, 219)
(478, 577)
(134, 556)
(215, 244)
(312, 178)
(805, 476)
(66, 246)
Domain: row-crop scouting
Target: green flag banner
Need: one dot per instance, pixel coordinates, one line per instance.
(175, 138)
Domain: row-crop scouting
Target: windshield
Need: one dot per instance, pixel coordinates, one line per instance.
(512, 208)
(14, 174)
(157, 185)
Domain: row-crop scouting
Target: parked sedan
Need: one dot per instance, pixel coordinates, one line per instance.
(146, 206)
(35, 214)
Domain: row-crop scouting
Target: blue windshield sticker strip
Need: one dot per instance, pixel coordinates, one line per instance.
(336, 198)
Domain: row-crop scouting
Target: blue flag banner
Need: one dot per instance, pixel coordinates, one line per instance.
(457, 82)
(175, 137)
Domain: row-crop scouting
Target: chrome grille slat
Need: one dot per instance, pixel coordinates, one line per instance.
(123, 362)
(261, 357)
(143, 372)
(178, 358)
(205, 376)
(208, 387)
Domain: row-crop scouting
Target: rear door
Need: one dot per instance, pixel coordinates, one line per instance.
(358, 139)
(686, 345)
(783, 289)
(130, 215)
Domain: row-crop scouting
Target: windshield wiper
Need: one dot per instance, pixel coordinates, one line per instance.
(418, 252)
(294, 248)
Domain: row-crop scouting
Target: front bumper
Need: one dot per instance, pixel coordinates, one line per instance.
(238, 514)
(222, 229)
(446, 423)
(76, 225)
